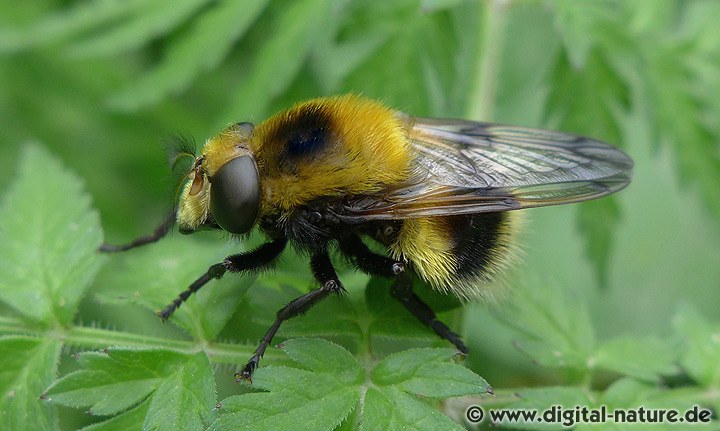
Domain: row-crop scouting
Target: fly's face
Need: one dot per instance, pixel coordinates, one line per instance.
(223, 188)
(194, 204)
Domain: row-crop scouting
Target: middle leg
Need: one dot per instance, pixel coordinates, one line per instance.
(325, 273)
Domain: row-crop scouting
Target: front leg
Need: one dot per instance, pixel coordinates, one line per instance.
(162, 230)
(324, 273)
(242, 262)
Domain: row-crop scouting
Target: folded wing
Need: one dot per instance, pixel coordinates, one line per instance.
(464, 167)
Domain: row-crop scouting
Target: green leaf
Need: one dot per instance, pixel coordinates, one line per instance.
(673, 75)
(645, 358)
(333, 62)
(392, 409)
(300, 400)
(428, 373)
(105, 393)
(411, 42)
(181, 387)
(323, 356)
(58, 25)
(286, 410)
(281, 57)
(579, 22)
(433, 5)
(630, 393)
(533, 40)
(200, 48)
(344, 309)
(590, 101)
(131, 419)
(334, 317)
(332, 385)
(154, 275)
(554, 328)
(597, 220)
(27, 366)
(157, 19)
(114, 381)
(49, 240)
(700, 352)
(543, 399)
(186, 399)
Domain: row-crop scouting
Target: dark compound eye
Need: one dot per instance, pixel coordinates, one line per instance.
(235, 195)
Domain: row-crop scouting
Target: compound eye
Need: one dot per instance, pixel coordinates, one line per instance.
(235, 195)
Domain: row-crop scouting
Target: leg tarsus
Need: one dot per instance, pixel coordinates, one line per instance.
(248, 370)
(166, 312)
(162, 230)
(325, 273)
(242, 262)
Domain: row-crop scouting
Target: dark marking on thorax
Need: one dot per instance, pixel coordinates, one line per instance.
(306, 134)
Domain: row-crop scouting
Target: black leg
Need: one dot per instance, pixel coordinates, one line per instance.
(383, 266)
(325, 273)
(242, 262)
(158, 233)
(402, 291)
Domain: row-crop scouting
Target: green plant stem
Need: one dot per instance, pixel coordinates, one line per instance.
(94, 338)
(484, 89)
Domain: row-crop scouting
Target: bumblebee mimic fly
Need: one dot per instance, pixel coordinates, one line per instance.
(437, 194)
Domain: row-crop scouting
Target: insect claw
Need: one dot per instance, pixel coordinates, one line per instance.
(248, 370)
(163, 314)
(240, 376)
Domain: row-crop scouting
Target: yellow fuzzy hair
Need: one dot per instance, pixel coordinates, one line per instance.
(369, 148)
(429, 248)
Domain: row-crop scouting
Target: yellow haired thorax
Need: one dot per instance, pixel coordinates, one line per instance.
(367, 148)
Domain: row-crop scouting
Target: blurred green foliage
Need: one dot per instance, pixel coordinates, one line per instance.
(609, 300)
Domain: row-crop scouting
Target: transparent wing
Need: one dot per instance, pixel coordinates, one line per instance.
(463, 167)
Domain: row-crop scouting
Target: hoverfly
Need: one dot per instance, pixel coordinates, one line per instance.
(438, 194)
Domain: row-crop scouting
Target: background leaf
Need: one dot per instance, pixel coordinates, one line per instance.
(393, 409)
(700, 347)
(102, 82)
(298, 399)
(115, 380)
(27, 366)
(186, 400)
(50, 235)
(553, 332)
(178, 388)
(427, 373)
(201, 47)
(164, 273)
(321, 396)
(643, 358)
